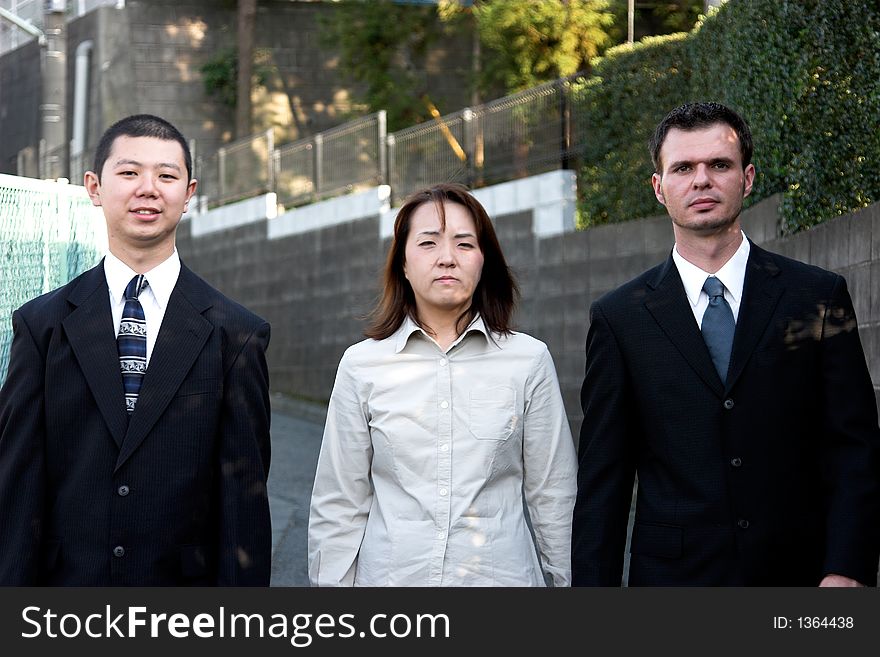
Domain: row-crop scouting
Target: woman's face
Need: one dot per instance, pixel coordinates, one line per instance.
(443, 265)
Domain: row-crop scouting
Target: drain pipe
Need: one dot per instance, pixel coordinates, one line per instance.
(80, 111)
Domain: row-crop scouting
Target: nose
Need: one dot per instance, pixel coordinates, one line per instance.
(445, 254)
(701, 176)
(147, 186)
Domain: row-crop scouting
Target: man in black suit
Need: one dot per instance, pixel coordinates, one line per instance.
(742, 403)
(116, 475)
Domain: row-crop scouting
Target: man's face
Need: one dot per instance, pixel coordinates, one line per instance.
(143, 192)
(702, 182)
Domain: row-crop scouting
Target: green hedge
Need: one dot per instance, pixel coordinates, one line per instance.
(804, 73)
(615, 110)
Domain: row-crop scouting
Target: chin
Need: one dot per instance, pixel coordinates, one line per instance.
(706, 223)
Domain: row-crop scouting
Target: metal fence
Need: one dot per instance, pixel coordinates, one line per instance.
(334, 162)
(516, 136)
(49, 233)
(240, 170)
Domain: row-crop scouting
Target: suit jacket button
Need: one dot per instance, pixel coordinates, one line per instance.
(736, 461)
(728, 404)
(742, 523)
(119, 551)
(122, 490)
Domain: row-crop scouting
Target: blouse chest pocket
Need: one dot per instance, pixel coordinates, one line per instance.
(492, 413)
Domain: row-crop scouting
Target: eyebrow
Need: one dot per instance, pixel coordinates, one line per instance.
(457, 236)
(160, 165)
(714, 160)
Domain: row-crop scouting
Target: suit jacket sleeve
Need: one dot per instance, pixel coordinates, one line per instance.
(851, 444)
(606, 462)
(22, 460)
(244, 448)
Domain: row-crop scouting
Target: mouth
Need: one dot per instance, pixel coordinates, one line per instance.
(446, 279)
(703, 203)
(146, 213)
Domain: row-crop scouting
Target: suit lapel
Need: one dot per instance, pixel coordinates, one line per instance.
(181, 338)
(667, 303)
(89, 328)
(761, 293)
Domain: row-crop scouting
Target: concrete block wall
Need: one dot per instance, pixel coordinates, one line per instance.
(147, 57)
(315, 286)
(849, 245)
(20, 94)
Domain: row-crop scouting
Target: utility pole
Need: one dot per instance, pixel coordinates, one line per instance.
(53, 108)
(630, 20)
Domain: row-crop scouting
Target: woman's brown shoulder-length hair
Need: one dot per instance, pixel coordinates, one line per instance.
(497, 292)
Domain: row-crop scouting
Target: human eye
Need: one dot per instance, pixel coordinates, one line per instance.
(682, 168)
(721, 165)
(426, 243)
(466, 245)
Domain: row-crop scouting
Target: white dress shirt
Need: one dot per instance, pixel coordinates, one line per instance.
(732, 275)
(154, 299)
(426, 458)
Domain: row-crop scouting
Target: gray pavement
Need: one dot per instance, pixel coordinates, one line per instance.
(297, 427)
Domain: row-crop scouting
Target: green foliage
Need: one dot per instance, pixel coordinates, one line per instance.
(804, 73)
(523, 43)
(631, 90)
(678, 15)
(528, 42)
(220, 72)
(835, 141)
(384, 45)
(654, 19)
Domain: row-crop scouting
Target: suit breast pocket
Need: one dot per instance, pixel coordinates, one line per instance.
(492, 413)
(198, 387)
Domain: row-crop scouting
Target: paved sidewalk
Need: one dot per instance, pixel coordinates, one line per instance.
(297, 427)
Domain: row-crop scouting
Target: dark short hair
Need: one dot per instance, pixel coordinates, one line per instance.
(496, 294)
(692, 116)
(140, 125)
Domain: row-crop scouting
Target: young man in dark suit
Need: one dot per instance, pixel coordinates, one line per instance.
(732, 382)
(134, 420)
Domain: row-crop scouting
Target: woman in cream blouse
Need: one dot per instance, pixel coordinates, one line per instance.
(442, 422)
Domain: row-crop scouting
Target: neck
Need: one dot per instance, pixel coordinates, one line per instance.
(444, 327)
(708, 252)
(142, 260)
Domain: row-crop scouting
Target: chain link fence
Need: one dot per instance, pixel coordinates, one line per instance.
(49, 233)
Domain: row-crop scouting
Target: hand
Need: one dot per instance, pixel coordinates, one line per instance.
(839, 581)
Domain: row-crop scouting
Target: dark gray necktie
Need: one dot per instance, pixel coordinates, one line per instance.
(718, 326)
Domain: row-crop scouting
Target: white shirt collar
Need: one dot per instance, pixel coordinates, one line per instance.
(408, 327)
(162, 278)
(732, 275)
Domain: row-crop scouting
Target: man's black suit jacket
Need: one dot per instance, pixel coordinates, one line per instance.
(175, 495)
(771, 479)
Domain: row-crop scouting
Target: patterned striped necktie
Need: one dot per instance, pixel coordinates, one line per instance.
(132, 342)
